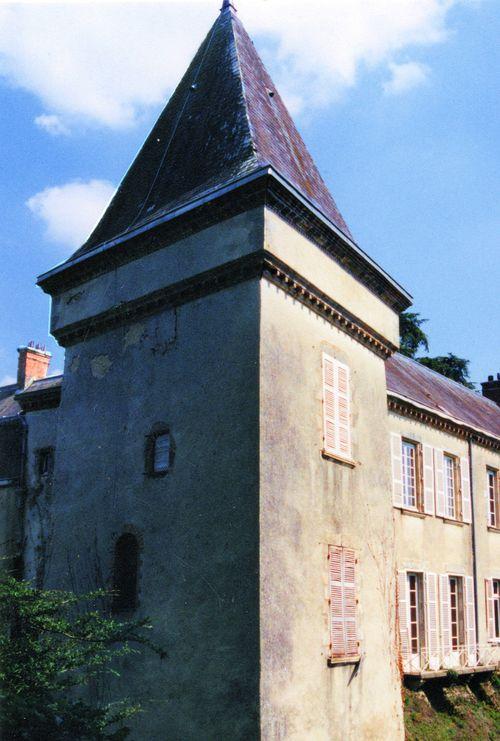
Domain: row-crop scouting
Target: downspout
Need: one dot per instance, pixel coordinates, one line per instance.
(473, 538)
(23, 494)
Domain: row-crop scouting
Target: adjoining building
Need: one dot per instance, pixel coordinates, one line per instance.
(237, 448)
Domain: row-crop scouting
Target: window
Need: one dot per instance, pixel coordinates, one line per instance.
(342, 604)
(44, 462)
(336, 409)
(411, 474)
(450, 487)
(159, 451)
(493, 499)
(416, 615)
(456, 613)
(125, 573)
(493, 609)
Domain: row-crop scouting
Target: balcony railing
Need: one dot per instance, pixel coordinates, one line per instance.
(463, 658)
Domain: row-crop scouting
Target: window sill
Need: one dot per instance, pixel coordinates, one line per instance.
(449, 521)
(344, 661)
(412, 512)
(338, 458)
(494, 529)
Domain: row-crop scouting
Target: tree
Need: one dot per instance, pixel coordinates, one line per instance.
(450, 366)
(412, 337)
(52, 645)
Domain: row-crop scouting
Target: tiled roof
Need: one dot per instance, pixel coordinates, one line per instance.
(224, 121)
(408, 378)
(8, 405)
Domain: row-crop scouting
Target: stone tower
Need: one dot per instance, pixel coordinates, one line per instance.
(198, 314)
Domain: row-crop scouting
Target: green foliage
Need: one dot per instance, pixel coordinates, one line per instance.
(413, 338)
(53, 644)
(411, 334)
(450, 366)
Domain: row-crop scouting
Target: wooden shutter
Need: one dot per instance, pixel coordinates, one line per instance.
(439, 479)
(490, 609)
(432, 620)
(350, 609)
(403, 606)
(329, 405)
(428, 476)
(465, 490)
(336, 407)
(343, 626)
(397, 470)
(445, 617)
(470, 621)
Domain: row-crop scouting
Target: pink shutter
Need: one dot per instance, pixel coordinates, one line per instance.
(439, 479)
(404, 635)
(445, 616)
(344, 409)
(329, 405)
(350, 608)
(397, 470)
(465, 488)
(337, 639)
(428, 466)
(432, 620)
(490, 609)
(489, 518)
(470, 621)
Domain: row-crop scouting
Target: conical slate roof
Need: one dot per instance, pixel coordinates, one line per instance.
(225, 120)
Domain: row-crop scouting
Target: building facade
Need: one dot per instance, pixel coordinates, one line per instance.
(237, 449)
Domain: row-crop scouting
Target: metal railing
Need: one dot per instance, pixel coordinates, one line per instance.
(455, 659)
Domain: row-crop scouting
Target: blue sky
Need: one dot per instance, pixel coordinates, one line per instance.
(398, 105)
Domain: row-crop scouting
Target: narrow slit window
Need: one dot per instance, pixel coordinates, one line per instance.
(161, 455)
(125, 573)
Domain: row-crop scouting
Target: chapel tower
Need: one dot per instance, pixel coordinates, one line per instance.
(224, 413)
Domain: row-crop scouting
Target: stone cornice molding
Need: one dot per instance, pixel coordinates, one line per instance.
(36, 400)
(260, 264)
(407, 408)
(264, 188)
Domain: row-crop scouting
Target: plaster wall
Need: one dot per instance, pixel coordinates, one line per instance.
(202, 251)
(195, 369)
(320, 269)
(308, 502)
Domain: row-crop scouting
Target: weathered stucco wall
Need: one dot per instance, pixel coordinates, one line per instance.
(487, 539)
(175, 262)
(430, 543)
(320, 269)
(196, 369)
(308, 502)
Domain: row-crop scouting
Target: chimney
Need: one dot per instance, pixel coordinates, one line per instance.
(33, 363)
(491, 389)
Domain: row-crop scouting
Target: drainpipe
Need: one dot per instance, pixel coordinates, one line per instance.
(23, 493)
(473, 538)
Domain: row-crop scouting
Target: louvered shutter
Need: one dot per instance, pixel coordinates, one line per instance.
(439, 479)
(465, 490)
(397, 470)
(428, 466)
(337, 634)
(470, 621)
(329, 405)
(349, 594)
(490, 609)
(489, 518)
(336, 408)
(344, 409)
(403, 606)
(432, 620)
(445, 618)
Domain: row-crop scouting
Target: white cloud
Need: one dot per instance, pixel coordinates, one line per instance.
(108, 62)
(52, 124)
(71, 211)
(405, 77)
(7, 381)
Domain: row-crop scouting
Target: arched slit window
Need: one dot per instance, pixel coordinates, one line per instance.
(125, 573)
